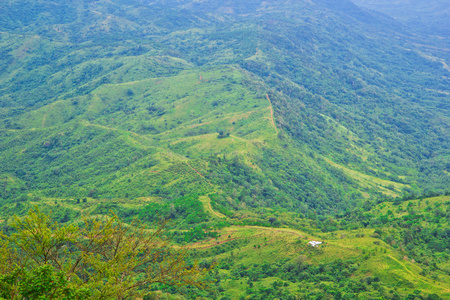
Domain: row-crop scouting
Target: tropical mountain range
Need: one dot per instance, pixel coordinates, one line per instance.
(246, 109)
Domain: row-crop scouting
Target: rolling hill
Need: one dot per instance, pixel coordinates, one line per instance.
(256, 126)
(124, 98)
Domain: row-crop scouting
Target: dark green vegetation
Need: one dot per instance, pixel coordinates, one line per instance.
(286, 113)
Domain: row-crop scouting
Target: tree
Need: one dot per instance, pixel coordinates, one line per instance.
(98, 259)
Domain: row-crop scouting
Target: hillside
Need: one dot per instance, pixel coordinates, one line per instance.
(307, 107)
(255, 126)
(392, 250)
(258, 263)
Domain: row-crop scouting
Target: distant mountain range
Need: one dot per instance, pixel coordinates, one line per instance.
(430, 16)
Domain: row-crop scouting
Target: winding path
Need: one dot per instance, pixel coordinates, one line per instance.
(271, 114)
(207, 206)
(45, 116)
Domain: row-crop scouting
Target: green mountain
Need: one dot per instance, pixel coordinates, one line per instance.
(431, 17)
(321, 104)
(302, 114)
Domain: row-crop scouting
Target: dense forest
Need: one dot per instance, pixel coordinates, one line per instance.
(253, 126)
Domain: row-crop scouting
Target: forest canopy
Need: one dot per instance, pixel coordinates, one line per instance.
(102, 258)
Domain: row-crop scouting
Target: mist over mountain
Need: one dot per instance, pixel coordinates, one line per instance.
(432, 17)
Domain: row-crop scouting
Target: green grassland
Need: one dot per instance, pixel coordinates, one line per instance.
(275, 260)
(257, 262)
(153, 137)
(198, 104)
(273, 247)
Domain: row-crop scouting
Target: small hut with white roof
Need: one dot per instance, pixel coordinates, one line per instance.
(315, 243)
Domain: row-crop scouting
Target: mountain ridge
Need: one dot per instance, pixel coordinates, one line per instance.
(338, 85)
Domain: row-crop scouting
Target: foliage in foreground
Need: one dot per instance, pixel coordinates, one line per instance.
(102, 259)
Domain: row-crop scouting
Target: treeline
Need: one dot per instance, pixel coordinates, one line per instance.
(286, 182)
(334, 279)
(417, 228)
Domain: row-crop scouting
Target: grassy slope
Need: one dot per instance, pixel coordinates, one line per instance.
(146, 134)
(373, 257)
(132, 118)
(175, 119)
(249, 245)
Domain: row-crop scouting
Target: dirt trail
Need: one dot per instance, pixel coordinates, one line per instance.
(199, 174)
(185, 160)
(202, 245)
(210, 242)
(284, 230)
(401, 264)
(206, 201)
(207, 205)
(271, 114)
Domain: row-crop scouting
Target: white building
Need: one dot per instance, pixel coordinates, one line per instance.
(315, 243)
